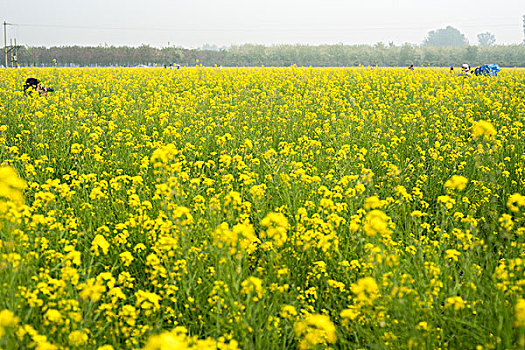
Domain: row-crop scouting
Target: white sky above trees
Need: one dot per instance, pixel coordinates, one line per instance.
(193, 23)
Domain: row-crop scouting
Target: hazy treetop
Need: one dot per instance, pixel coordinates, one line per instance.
(195, 23)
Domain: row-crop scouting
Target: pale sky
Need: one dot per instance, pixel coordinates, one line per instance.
(225, 22)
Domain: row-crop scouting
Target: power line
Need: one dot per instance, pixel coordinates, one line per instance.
(251, 29)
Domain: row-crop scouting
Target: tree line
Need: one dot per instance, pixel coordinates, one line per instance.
(250, 55)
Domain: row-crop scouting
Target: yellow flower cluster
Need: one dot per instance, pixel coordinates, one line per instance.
(178, 339)
(457, 182)
(376, 222)
(520, 313)
(11, 188)
(366, 290)
(483, 128)
(7, 320)
(315, 330)
(252, 286)
(276, 227)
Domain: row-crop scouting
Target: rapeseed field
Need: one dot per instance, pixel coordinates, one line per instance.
(262, 208)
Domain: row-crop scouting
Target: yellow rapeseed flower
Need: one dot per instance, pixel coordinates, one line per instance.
(53, 315)
(520, 313)
(315, 330)
(288, 311)
(515, 202)
(349, 314)
(457, 303)
(126, 258)
(77, 338)
(447, 201)
(366, 290)
(376, 222)
(8, 319)
(11, 186)
(452, 254)
(276, 227)
(483, 128)
(99, 244)
(76, 148)
(456, 182)
(252, 285)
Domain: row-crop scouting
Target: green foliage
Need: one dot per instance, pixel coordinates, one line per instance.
(251, 55)
(448, 36)
(486, 39)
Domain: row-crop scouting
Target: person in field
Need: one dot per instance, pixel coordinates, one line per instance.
(33, 85)
(465, 71)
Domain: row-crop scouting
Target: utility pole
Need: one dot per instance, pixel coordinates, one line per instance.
(5, 43)
(11, 49)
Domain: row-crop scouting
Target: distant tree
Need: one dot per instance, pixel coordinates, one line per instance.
(523, 29)
(471, 54)
(486, 39)
(448, 36)
(406, 55)
(282, 55)
(209, 47)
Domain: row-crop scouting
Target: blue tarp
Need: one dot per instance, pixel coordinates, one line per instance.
(487, 70)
